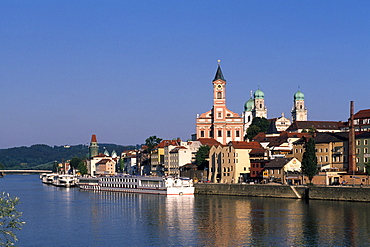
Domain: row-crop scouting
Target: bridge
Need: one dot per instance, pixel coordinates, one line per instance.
(2, 172)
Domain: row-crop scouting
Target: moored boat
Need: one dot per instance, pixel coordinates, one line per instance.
(65, 180)
(48, 178)
(139, 184)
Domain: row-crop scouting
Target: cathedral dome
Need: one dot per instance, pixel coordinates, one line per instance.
(259, 94)
(299, 95)
(248, 106)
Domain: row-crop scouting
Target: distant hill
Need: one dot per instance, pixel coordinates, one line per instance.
(41, 156)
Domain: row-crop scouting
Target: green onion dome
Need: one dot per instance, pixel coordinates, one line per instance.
(299, 95)
(259, 94)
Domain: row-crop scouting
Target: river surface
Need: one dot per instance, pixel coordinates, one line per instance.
(70, 217)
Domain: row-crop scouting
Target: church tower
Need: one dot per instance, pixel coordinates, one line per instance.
(219, 123)
(299, 112)
(93, 148)
(248, 115)
(259, 109)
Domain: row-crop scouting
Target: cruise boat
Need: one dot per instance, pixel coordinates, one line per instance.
(48, 178)
(139, 184)
(65, 180)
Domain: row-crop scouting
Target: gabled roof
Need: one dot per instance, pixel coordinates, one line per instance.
(284, 136)
(166, 143)
(327, 125)
(272, 127)
(326, 137)
(255, 146)
(362, 114)
(208, 141)
(103, 161)
(278, 162)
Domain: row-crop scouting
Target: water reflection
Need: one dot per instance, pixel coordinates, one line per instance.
(70, 217)
(236, 221)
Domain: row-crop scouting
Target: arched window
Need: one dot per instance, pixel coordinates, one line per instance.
(219, 95)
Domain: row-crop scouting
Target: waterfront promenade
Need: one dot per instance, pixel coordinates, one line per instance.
(338, 193)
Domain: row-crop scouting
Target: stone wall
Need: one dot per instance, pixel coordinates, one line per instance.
(282, 191)
(341, 193)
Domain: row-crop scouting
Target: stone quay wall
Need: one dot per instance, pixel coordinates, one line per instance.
(340, 193)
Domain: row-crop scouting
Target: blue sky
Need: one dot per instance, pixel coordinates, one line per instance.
(126, 70)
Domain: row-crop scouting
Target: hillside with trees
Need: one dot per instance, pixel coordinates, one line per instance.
(41, 156)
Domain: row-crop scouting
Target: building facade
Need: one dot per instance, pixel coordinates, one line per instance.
(220, 123)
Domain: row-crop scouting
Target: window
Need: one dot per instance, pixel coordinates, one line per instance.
(365, 150)
(366, 160)
(219, 95)
(202, 133)
(219, 115)
(357, 160)
(358, 142)
(219, 133)
(228, 133)
(237, 134)
(326, 159)
(357, 150)
(365, 142)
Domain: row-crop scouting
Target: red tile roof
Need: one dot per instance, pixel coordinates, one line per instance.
(362, 114)
(209, 142)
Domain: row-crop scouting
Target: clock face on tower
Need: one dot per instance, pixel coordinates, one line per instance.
(219, 87)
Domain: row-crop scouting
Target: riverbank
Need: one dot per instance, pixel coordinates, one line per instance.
(337, 193)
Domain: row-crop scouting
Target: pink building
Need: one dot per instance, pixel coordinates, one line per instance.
(220, 123)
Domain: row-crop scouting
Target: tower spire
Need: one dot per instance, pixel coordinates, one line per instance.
(219, 75)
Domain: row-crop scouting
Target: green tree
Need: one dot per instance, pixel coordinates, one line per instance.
(82, 167)
(259, 124)
(74, 162)
(151, 142)
(309, 160)
(9, 219)
(121, 164)
(201, 157)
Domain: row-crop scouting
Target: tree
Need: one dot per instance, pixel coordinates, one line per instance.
(151, 142)
(74, 162)
(259, 124)
(252, 131)
(82, 167)
(309, 161)
(201, 157)
(9, 219)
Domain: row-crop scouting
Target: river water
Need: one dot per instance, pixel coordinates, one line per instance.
(70, 217)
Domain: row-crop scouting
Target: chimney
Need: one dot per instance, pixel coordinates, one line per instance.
(351, 141)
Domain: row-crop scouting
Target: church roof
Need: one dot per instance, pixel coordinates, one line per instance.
(219, 75)
(93, 138)
(249, 105)
(259, 94)
(299, 95)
